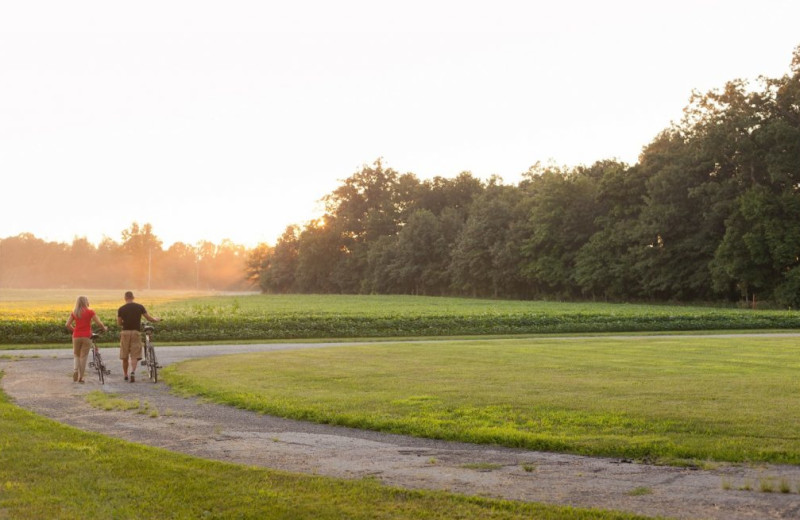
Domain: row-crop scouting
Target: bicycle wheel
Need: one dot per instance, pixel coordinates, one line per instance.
(152, 365)
(98, 365)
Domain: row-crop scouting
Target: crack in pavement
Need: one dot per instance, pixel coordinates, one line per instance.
(199, 428)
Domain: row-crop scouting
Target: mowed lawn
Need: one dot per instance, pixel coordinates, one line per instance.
(48, 471)
(668, 399)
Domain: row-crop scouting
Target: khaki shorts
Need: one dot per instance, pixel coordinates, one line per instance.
(130, 344)
(81, 346)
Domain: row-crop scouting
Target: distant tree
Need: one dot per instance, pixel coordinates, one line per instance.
(485, 257)
(680, 224)
(80, 264)
(371, 203)
(440, 194)
(421, 255)
(760, 250)
(605, 264)
(142, 248)
(30, 262)
(112, 268)
(257, 263)
(415, 260)
(319, 252)
(562, 210)
(368, 205)
(381, 275)
(178, 267)
(280, 270)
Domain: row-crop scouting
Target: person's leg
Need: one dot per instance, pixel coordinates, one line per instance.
(86, 346)
(135, 352)
(124, 350)
(75, 358)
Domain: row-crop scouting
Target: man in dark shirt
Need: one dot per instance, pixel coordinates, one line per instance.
(129, 317)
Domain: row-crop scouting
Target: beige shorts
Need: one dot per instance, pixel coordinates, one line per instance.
(81, 346)
(130, 344)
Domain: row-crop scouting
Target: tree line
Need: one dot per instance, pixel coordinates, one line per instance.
(139, 261)
(710, 212)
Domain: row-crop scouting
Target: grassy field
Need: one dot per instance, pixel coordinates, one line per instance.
(667, 399)
(48, 470)
(37, 317)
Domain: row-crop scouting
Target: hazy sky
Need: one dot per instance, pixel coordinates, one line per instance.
(231, 119)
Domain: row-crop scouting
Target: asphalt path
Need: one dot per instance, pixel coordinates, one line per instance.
(40, 380)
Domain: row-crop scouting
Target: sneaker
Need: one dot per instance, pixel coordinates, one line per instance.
(133, 378)
(126, 378)
(75, 376)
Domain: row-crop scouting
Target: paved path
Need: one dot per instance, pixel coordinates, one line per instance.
(44, 385)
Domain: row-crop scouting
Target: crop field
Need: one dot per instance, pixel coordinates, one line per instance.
(37, 317)
(666, 399)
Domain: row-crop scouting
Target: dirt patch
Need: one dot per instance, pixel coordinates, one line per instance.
(44, 385)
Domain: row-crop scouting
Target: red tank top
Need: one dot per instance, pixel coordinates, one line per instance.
(83, 325)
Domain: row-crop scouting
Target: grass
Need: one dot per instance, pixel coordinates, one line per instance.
(482, 466)
(668, 399)
(109, 401)
(766, 485)
(48, 470)
(191, 317)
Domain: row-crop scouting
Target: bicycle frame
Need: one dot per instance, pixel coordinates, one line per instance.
(97, 360)
(150, 354)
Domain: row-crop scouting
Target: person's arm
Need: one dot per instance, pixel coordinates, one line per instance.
(151, 318)
(96, 319)
(69, 323)
(119, 321)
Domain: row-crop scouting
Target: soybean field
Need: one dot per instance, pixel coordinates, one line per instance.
(34, 317)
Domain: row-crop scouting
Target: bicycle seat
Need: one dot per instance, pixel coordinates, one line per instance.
(149, 328)
(95, 336)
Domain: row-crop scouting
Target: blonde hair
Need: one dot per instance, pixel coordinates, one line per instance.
(80, 304)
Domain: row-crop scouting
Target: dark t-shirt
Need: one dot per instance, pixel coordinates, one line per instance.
(131, 314)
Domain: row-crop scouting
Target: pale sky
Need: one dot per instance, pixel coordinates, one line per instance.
(231, 119)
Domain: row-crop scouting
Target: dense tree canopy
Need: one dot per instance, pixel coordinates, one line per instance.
(711, 211)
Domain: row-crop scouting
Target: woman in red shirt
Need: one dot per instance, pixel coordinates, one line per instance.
(80, 323)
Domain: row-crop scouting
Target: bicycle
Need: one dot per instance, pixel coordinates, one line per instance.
(150, 354)
(97, 360)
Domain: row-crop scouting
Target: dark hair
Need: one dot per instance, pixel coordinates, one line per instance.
(129, 295)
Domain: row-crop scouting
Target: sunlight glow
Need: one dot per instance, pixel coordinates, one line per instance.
(215, 121)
